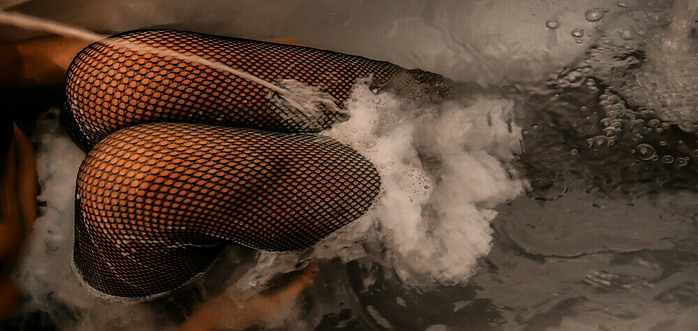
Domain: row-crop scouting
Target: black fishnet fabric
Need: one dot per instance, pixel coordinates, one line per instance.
(109, 87)
(156, 202)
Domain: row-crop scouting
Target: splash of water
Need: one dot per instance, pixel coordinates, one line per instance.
(443, 169)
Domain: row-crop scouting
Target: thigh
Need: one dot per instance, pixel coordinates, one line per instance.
(109, 86)
(155, 192)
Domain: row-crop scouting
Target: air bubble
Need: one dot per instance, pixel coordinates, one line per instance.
(600, 142)
(653, 123)
(626, 34)
(686, 126)
(682, 161)
(552, 23)
(644, 152)
(668, 159)
(611, 131)
(594, 14)
(342, 117)
(577, 33)
(622, 4)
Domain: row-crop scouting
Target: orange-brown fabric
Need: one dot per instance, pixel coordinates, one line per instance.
(156, 202)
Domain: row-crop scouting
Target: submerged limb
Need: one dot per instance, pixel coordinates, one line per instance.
(10, 296)
(226, 312)
(26, 180)
(18, 183)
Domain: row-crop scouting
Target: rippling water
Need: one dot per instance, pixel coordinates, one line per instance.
(557, 192)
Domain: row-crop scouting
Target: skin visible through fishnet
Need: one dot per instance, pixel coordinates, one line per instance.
(156, 202)
(164, 196)
(109, 87)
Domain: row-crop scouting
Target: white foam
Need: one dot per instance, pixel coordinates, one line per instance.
(434, 219)
(45, 272)
(46, 269)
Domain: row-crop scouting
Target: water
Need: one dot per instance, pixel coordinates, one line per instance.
(594, 14)
(558, 194)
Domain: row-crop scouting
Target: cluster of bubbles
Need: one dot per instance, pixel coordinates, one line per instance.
(591, 15)
(618, 118)
(617, 115)
(634, 126)
(578, 34)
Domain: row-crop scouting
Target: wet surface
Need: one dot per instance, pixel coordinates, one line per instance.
(584, 261)
(606, 236)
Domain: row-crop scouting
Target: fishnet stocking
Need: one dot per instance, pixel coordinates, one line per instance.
(109, 87)
(156, 202)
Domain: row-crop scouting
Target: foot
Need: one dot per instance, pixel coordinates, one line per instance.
(227, 313)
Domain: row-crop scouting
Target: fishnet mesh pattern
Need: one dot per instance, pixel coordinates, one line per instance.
(156, 202)
(109, 87)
